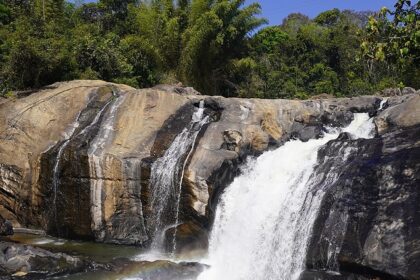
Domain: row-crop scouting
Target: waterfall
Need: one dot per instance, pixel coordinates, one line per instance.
(70, 135)
(384, 101)
(265, 217)
(56, 173)
(166, 180)
(95, 154)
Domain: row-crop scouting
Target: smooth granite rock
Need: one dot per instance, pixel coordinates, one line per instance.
(76, 159)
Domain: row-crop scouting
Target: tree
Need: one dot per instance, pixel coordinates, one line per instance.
(208, 44)
(114, 13)
(89, 13)
(328, 18)
(48, 9)
(99, 56)
(395, 42)
(35, 56)
(301, 58)
(216, 35)
(4, 13)
(294, 21)
(269, 39)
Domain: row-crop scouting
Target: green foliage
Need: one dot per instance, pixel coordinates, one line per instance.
(293, 22)
(301, 57)
(4, 13)
(395, 43)
(396, 40)
(269, 39)
(101, 54)
(145, 61)
(35, 56)
(208, 44)
(215, 36)
(10, 95)
(328, 18)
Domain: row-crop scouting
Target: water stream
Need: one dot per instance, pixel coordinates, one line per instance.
(166, 178)
(56, 171)
(71, 134)
(383, 103)
(96, 156)
(264, 219)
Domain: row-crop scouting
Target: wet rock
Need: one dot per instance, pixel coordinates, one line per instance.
(367, 224)
(403, 114)
(337, 118)
(323, 275)
(6, 227)
(190, 237)
(306, 132)
(233, 140)
(107, 197)
(166, 270)
(344, 136)
(28, 260)
(161, 269)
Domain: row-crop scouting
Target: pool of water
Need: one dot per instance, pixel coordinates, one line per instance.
(98, 252)
(128, 262)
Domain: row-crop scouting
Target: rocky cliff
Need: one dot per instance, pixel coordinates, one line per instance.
(77, 159)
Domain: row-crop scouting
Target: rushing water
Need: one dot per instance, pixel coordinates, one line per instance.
(383, 103)
(264, 219)
(166, 178)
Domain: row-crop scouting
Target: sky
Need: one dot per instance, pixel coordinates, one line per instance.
(276, 10)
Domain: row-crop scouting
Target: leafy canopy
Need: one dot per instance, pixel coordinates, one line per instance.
(216, 46)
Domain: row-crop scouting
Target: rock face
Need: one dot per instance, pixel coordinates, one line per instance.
(76, 159)
(21, 260)
(368, 221)
(6, 227)
(322, 275)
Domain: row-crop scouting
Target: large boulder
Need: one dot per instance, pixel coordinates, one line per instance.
(368, 222)
(76, 158)
(162, 270)
(403, 112)
(22, 260)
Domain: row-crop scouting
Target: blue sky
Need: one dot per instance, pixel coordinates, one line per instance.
(276, 10)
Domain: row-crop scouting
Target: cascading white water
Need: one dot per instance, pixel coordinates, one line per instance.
(383, 103)
(362, 126)
(166, 179)
(265, 217)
